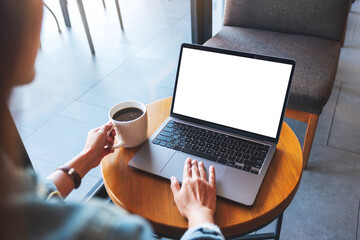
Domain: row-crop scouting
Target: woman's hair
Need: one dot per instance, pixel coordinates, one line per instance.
(14, 21)
(14, 30)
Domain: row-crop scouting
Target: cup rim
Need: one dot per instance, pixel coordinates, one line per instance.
(144, 109)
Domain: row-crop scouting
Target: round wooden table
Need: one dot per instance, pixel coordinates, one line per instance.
(151, 197)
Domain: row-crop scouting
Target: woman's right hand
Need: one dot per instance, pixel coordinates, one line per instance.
(196, 198)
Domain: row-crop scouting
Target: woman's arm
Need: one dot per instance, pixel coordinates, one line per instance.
(196, 200)
(95, 149)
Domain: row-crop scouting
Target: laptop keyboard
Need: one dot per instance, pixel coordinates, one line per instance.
(227, 150)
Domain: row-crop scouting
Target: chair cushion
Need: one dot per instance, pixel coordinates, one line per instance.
(321, 18)
(316, 61)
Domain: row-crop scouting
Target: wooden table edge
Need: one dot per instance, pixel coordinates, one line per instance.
(271, 215)
(230, 231)
(175, 232)
(159, 228)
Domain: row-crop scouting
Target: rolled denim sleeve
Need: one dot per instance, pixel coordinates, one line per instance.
(44, 215)
(56, 220)
(204, 231)
(47, 190)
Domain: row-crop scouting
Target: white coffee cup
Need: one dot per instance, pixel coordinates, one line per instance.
(129, 133)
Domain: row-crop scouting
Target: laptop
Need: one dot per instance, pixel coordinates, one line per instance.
(227, 111)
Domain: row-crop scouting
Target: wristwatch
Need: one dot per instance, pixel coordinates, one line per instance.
(72, 174)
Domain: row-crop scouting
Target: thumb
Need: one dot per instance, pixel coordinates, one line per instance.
(175, 186)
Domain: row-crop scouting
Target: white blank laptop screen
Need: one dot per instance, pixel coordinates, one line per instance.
(234, 91)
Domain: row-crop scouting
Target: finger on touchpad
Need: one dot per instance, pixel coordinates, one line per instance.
(175, 166)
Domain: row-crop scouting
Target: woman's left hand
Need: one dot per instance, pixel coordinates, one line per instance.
(98, 145)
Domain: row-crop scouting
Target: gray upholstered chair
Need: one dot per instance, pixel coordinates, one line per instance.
(309, 31)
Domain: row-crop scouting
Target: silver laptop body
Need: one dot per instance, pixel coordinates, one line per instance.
(235, 102)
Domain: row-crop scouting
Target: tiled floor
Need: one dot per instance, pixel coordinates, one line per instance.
(73, 91)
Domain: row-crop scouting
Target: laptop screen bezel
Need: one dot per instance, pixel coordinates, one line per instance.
(222, 127)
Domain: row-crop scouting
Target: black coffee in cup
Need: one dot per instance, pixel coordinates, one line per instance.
(127, 114)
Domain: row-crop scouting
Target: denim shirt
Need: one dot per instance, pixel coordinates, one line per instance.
(44, 215)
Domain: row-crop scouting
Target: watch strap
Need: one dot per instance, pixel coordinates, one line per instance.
(72, 174)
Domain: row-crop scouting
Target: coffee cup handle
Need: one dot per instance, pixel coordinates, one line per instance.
(115, 146)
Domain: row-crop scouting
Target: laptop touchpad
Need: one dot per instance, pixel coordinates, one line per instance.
(175, 167)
